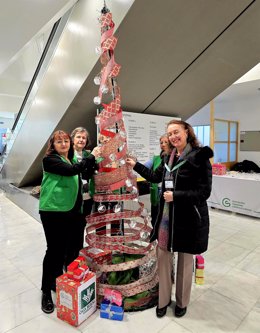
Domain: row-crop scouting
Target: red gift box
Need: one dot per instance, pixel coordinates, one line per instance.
(72, 267)
(113, 296)
(81, 260)
(76, 300)
(200, 261)
(77, 270)
(219, 169)
(95, 255)
(80, 273)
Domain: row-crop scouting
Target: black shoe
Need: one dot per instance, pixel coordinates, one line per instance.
(180, 312)
(162, 311)
(47, 303)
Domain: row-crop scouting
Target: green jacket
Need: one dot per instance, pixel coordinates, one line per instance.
(154, 192)
(59, 193)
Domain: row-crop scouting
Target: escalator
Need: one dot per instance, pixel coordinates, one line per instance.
(67, 61)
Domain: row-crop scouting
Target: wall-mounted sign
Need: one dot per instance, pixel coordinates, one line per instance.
(250, 141)
(144, 132)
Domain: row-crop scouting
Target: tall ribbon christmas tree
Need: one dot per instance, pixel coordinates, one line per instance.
(124, 232)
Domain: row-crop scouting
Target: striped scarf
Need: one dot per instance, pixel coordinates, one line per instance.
(163, 233)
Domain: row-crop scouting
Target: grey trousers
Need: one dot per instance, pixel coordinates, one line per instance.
(183, 277)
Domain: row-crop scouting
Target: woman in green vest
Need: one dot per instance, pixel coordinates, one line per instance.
(155, 189)
(80, 139)
(61, 208)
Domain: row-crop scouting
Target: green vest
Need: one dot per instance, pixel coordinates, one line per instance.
(58, 193)
(154, 195)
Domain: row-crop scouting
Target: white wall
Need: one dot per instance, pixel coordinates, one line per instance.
(246, 111)
(202, 117)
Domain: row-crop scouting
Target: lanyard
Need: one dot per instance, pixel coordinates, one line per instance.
(175, 167)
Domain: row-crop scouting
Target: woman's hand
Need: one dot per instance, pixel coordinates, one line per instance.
(130, 162)
(96, 152)
(168, 196)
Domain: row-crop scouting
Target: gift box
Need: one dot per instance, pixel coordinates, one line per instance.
(199, 280)
(200, 261)
(80, 273)
(81, 260)
(219, 169)
(113, 296)
(72, 267)
(110, 311)
(95, 255)
(199, 273)
(76, 300)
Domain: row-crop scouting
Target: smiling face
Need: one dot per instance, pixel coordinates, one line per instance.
(164, 143)
(61, 144)
(177, 136)
(80, 140)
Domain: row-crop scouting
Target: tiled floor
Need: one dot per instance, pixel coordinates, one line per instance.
(229, 301)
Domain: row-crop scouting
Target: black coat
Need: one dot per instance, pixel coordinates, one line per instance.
(189, 217)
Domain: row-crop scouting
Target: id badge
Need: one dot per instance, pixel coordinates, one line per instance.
(169, 184)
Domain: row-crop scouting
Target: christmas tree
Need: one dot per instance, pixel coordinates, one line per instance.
(121, 225)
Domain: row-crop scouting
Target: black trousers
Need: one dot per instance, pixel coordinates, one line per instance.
(87, 206)
(154, 213)
(64, 236)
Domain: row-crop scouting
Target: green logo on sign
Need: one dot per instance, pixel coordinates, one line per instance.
(226, 202)
(87, 295)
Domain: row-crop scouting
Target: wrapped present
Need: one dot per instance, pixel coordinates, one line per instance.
(219, 169)
(72, 267)
(199, 280)
(95, 255)
(76, 300)
(80, 273)
(113, 296)
(199, 273)
(81, 260)
(199, 261)
(110, 311)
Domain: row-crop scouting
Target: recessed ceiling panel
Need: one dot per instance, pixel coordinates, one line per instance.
(158, 40)
(231, 55)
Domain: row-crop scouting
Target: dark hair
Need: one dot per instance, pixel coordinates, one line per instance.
(191, 139)
(59, 135)
(80, 129)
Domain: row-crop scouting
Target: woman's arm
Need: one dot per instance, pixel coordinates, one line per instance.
(88, 173)
(149, 174)
(55, 164)
(149, 164)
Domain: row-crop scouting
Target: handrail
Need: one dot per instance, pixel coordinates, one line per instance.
(46, 48)
(47, 53)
